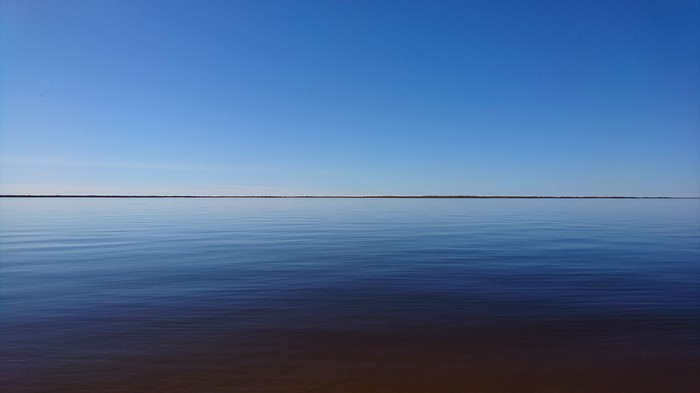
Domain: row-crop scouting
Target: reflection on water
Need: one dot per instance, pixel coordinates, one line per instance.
(350, 295)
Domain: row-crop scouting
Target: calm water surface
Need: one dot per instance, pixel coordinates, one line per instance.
(349, 295)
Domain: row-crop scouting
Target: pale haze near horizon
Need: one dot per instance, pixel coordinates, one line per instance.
(350, 98)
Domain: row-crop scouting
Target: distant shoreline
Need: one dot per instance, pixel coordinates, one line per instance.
(351, 196)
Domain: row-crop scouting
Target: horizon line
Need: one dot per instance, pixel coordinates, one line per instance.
(351, 196)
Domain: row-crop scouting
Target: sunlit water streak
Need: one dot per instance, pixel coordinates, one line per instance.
(350, 295)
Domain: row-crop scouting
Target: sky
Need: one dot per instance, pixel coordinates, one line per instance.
(361, 97)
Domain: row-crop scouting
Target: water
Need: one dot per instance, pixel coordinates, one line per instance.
(349, 295)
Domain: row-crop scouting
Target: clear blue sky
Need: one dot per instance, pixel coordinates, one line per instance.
(560, 97)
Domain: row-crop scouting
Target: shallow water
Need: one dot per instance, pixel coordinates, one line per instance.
(349, 295)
